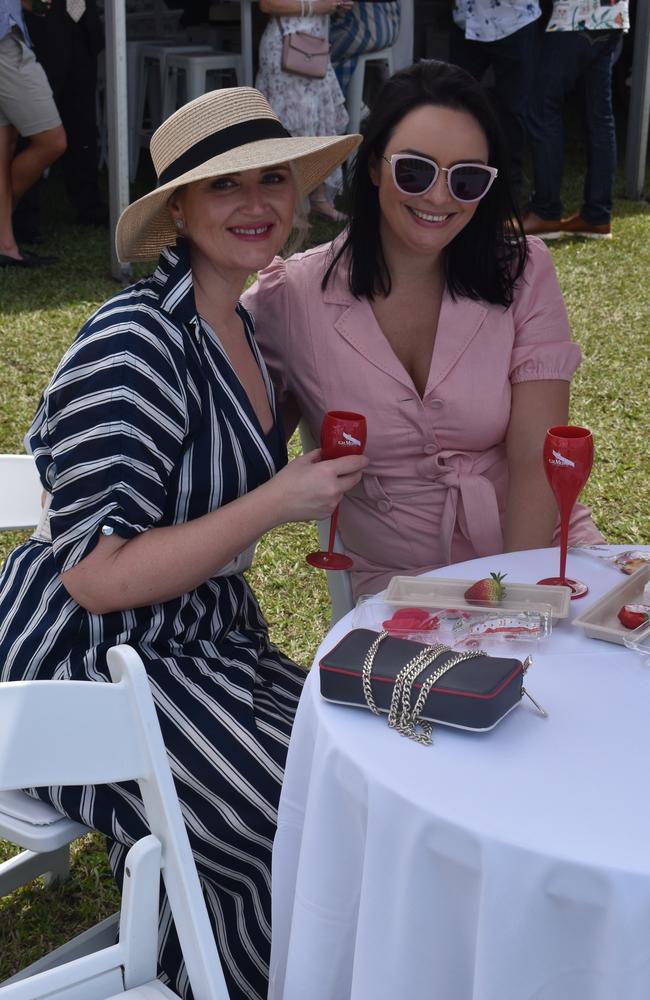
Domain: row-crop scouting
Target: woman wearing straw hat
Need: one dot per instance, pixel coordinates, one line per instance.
(158, 444)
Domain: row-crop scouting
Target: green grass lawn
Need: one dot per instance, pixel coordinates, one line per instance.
(606, 286)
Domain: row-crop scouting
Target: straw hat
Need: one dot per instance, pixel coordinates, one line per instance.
(222, 132)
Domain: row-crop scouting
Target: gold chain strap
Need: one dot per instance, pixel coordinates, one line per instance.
(406, 719)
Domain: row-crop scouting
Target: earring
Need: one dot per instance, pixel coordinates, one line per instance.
(179, 223)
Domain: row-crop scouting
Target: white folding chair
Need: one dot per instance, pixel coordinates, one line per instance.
(20, 492)
(338, 581)
(89, 733)
(43, 834)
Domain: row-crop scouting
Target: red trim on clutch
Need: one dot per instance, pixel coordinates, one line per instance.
(438, 690)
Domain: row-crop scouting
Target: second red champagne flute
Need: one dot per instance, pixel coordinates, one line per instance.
(342, 433)
(568, 458)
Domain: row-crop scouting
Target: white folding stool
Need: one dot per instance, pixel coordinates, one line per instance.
(355, 88)
(150, 76)
(195, 68)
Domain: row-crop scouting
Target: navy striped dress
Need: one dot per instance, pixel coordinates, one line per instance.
(145, 423)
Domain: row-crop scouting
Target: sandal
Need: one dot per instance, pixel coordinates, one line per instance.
(327, 211)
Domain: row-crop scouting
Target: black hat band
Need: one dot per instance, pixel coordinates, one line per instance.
(223, 141)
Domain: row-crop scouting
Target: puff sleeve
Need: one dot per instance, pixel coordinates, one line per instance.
(110, 429)
(543, 348)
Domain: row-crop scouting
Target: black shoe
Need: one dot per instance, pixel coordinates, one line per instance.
(27, 260)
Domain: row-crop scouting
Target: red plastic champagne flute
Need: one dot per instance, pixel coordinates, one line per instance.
(341, 433)
(568, 458)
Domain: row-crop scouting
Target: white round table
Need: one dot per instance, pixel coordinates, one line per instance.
(507, 865)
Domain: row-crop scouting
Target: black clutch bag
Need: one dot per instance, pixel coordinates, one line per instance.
(417, 684)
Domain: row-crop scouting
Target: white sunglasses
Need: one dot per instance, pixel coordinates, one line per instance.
(417, 174)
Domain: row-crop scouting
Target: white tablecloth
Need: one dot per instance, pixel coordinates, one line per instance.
(508, 865)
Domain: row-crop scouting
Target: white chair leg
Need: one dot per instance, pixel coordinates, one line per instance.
(58, 866)
(155, 83)
(28, 865)
(138, 125)
(170, 93)
(355, 96)
(194, 81)
(133, 97)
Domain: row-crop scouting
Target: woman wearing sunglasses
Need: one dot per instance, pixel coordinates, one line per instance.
(435, 318)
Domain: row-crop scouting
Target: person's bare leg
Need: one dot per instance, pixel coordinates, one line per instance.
(43, 149)
(8, 245)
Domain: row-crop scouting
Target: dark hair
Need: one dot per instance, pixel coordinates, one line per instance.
(485, 260)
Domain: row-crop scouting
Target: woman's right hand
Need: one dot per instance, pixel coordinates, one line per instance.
(308, 489)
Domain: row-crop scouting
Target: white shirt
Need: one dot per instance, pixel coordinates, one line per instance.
(489, 20)
(594, 15)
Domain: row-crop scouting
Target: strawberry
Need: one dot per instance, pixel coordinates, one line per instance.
(633, 615)
(490, 590)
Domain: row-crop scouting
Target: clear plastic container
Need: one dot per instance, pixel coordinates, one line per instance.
(439, 593)
(638, 639)
(601, 621)
(628, 562)
(471, 627)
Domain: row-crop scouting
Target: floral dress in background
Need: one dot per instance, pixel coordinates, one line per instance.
(304, 105)
(590, 15)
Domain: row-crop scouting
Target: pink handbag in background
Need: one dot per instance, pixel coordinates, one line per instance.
(305, 54)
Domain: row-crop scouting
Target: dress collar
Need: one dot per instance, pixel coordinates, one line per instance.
(459, 322)
(338, 289)
(173, 276)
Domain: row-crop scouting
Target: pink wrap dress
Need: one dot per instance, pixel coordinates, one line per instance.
(435, 491)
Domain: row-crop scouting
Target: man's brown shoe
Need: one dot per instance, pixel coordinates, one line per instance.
(575, 225)
(547, 229)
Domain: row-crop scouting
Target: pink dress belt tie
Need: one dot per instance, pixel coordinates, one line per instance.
(478, 515)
